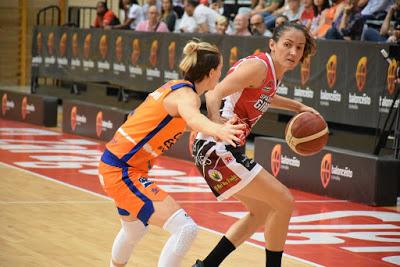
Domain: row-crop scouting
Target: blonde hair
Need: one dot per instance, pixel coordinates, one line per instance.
(221, 20)
(198, 59)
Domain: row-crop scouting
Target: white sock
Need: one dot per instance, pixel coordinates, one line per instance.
(126, 239)
(183, 232)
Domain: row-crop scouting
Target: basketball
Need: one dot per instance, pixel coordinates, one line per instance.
(306, 133)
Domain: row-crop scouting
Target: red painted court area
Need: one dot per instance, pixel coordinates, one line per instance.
(323, 231)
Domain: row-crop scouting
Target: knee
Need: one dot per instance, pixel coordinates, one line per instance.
(184, 228)
(133, 231)
(287, 201)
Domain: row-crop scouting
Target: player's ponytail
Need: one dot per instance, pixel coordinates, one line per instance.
(198, 59)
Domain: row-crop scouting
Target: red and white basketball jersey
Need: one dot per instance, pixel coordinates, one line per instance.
(251, 103)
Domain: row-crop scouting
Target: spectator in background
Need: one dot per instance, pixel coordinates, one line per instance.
(387, 33)
(280, 19)
(349, 24)
(168, 15)
(217, 6)
(188, 23)
(319, 7)
(149, 3)
(308, 14)
(221, 25)
(241, 25)
(257, 26)
(328, 16)
(104, 16)
(133, 14)
(153, 23)
(294, 10)
(205, 18)
(374, 9)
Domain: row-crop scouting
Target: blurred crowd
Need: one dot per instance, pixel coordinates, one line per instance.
(366, 20)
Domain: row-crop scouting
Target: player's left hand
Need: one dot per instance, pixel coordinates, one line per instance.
(305, 108)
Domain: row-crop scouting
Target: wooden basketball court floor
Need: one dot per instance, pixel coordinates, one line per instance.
(53, 212)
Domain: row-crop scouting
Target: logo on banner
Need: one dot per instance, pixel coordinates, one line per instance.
(119, 50)
(39, 43)
(153, 53)
(74, 112)
(86, 46)
(391, 76)
(326, 169)
(171, 55)
(361, 73)
(256, 51)
(305, 70)
(103, 47)
(99, 123)
(62, 47)
(215, 175)
(276, 159)
(331, 70)
(24, 104)
(50, 43)
(233, 56)
(75, 45)
(4, 104)
(135, 54)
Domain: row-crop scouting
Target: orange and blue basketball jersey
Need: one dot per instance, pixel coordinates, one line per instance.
(147, 133)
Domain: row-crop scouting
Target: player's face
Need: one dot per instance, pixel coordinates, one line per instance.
(289, 49)
(215, 75)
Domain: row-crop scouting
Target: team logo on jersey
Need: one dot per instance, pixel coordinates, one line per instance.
(215, 175)
(145, 182)
(326, 169)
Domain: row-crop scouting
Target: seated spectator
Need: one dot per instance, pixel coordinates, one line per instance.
(349, 24)
(149, 3)
(308, 14)
(257, 26)
(319, 7)
(387, 33)
(294, 10)
(217, 6)
(268, 8)
(168, 15)
(374, 9)
(221, 25)
(133, 14)
(188, 23)
(153, 23)
(328, 16)
(241, 25)
(104, 17)
(280, 19)
(205, 18)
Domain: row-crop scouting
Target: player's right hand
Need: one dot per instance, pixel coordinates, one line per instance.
(230, 131)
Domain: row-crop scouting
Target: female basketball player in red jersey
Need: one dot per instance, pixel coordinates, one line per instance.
(148, 132)
(249, 89)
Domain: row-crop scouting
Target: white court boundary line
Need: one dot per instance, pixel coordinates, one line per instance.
(108, 198)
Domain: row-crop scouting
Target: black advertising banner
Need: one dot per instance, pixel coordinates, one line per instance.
(91, 120)
(36, 109)
(332, 172)
(362, 91)
(332, 73)
(348, 83)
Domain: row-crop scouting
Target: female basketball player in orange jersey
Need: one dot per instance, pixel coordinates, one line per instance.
(153, 128)
(248, 89)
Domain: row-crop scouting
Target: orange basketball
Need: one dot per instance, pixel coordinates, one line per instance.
(306, 133)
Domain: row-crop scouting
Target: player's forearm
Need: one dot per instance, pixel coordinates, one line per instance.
(201, 123)
(281, 102)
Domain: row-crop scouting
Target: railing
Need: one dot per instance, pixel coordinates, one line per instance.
(53, 12)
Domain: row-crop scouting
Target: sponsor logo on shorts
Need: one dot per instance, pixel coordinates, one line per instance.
(215, 175)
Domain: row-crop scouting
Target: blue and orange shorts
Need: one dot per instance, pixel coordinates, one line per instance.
(129, 187)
